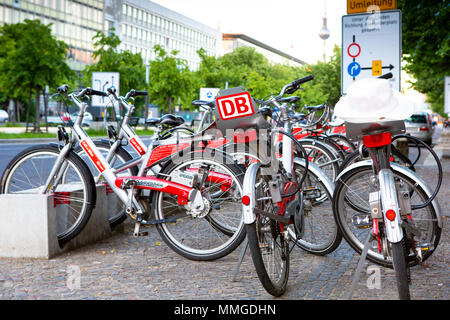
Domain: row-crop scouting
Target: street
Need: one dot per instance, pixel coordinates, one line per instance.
(124, 267)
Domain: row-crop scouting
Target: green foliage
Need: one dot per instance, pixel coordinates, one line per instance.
(30, 59)
(246, 67)
(171, 81)
(426, 46)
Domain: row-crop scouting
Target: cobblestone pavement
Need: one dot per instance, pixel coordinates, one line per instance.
(124, 267)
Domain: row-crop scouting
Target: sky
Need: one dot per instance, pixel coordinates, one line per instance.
(291, 26)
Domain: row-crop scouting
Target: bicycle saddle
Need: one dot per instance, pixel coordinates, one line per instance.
(298, 117)
(289, 100)
(315, 108)
(168, 120)
(199, 103)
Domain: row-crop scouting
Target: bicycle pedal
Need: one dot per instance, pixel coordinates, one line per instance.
(311, 193)
(425, 247)
(141, 234)
(362, 221)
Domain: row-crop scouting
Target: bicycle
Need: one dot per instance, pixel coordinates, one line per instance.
(194, 195)
(276, 204)
(395, 207)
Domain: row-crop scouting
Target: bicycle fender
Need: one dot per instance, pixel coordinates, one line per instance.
(389, 201)
(248, 211)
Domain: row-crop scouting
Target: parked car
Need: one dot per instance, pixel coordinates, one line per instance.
(419, 126)
(3, 116)
(87, 119)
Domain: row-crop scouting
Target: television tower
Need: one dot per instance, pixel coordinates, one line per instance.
(324, 33)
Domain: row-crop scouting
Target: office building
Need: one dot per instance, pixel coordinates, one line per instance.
(74, 22)
(140, 24)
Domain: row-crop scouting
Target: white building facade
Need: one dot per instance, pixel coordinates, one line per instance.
(140, 24)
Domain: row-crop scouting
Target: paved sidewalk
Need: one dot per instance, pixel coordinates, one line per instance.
(124, 267)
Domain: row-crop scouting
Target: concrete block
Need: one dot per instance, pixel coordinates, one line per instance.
(28, 225)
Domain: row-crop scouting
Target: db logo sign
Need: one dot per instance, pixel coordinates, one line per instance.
(235, 106)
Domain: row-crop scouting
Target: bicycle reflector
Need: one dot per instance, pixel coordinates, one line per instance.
(390, 215)
(245, 200)
(377, 140)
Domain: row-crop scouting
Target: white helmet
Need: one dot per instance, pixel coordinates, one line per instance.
(373, 100)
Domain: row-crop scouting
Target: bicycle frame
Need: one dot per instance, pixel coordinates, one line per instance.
(187, 194)
(127, 133)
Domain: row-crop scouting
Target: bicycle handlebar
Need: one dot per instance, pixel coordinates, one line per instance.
(92, 92)
(302, 80)
(294, 85)
(134, 93)
(85, 92)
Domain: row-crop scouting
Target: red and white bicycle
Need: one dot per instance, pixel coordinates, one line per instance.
(194, 196)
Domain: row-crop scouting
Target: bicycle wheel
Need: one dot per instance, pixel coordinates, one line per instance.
(343, 142)
(320, 154)
(74, 193)
(351, 198)
(268, 247)
(320, 233)
(216, 231)
(116, 208)
(401, 269)
(333, 145)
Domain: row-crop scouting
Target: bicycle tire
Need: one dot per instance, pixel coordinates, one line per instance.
(175, 235)
(89, 196)
(343, 142)
(114, 219)
(269, 250)
(355, 237)
(318, 150)
(316, 221)
(277, 288)
(401, 269)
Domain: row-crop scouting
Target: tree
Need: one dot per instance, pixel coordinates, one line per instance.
(30, 59)
(170, 80)
(110, 59)
(426, 46)
(246, 67)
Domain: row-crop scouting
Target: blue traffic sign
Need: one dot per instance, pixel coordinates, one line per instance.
(209, 94)
(354, 69)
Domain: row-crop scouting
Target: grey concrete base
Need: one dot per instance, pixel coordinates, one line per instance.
(28, 225)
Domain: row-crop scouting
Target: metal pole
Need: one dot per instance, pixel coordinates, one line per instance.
(147, 81)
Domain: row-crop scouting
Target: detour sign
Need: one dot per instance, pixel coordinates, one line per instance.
(361, 6)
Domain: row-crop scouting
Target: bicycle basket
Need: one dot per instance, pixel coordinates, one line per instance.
(235, 109)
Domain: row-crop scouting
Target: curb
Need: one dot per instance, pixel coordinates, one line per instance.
(48, 140)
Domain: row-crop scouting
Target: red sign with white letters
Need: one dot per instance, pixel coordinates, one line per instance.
(235, 106)
(84, 144)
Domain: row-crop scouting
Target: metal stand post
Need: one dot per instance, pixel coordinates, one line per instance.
(360, 265)
(241, 258)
